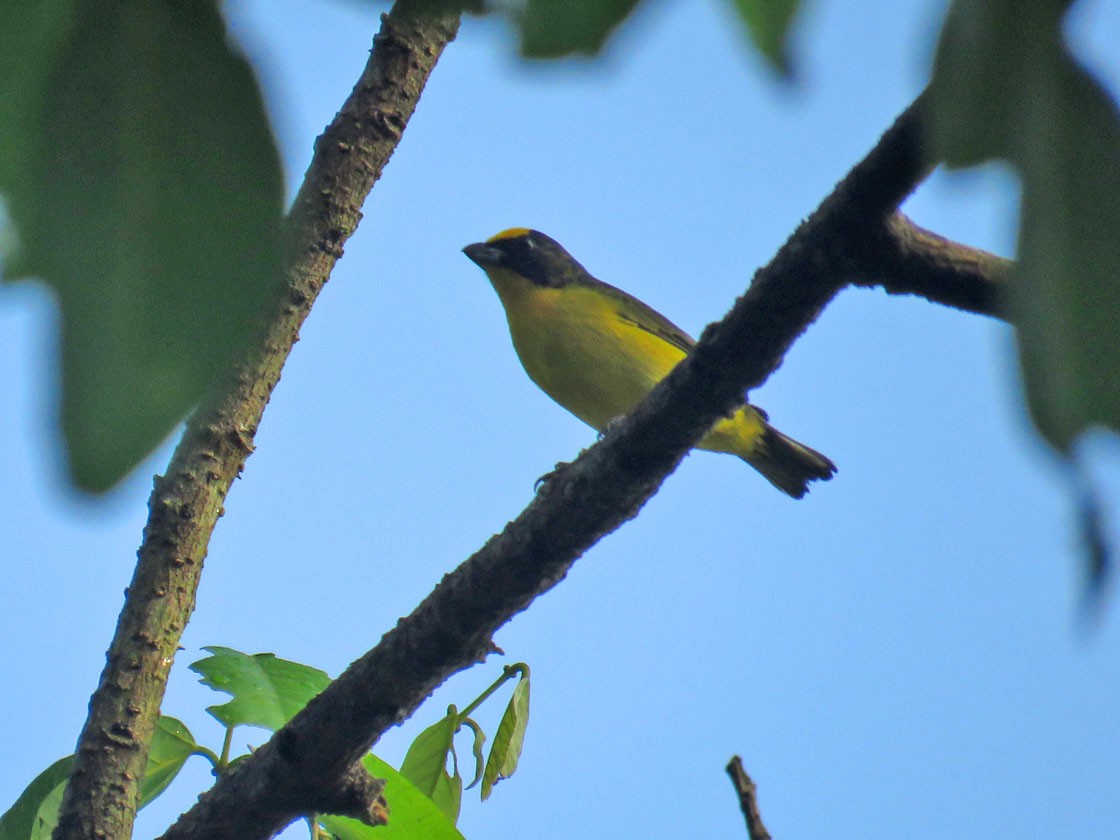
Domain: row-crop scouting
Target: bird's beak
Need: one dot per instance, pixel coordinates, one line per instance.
(483, 255)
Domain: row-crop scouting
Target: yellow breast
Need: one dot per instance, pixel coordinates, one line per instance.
(574, 344)
(577, 347)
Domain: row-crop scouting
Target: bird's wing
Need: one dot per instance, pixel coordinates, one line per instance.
(633, 311)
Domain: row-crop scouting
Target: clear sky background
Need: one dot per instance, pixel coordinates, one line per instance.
(897, 655)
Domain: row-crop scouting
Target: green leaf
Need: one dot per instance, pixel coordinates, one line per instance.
(29, 42)
(477, 744)
(1005, 86)
(768, 23)
(976, 88)
(412, 814)
(267, 691)
(35, 813)
(24, 818)
(146, 190)
(509, 739)
(172, 744)
(1066, 301)
(425, 765)
(556, 28)
(47, 819)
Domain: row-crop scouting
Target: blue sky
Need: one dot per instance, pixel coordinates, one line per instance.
(899, 654)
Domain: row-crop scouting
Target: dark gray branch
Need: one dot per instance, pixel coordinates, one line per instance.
(747, 792)
(907, 259)
(607, 485)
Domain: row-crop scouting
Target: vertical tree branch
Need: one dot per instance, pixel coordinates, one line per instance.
(102, 796)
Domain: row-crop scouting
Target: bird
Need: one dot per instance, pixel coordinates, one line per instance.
(597, 351)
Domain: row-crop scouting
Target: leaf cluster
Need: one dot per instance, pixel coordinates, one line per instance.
(266, 692)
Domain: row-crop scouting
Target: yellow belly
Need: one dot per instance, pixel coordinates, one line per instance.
(574, 345)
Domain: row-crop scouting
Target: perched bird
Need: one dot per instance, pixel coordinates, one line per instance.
(598, 351)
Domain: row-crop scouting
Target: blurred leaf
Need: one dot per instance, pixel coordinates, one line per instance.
(30, 38)
(1093, 528)
(172, 744)
(1005, 86)
(145, 189)
(23, 819)
(438, 7)
(976, 89)
(556, 28)
(425, 765)
(1066, 300)
(413, 816)
(509, 739)
(267, 691)
(767, 23)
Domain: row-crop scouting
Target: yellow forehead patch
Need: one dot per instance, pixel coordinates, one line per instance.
(511, 233)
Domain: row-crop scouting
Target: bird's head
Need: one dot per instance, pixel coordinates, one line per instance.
(529, 254)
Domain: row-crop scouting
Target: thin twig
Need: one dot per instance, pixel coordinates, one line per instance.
(908, 259)
(747, 792)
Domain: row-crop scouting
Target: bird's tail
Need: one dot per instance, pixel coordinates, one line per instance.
(787, 464)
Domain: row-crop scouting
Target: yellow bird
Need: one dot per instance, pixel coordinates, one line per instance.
(598, 351)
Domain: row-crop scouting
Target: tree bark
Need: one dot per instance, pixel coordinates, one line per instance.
(102, 795)
(299, 769)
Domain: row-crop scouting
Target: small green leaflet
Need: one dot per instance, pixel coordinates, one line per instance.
(509, 740)
(477, 743)
(267, 691)
(425, 765)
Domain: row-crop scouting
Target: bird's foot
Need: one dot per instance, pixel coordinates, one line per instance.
(613, 423)
(548, 476)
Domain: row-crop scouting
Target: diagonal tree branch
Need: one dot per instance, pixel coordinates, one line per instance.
(185, 504)
(297, 771)
(747, 792)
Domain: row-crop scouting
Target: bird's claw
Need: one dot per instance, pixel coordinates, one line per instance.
(548, 476)
(611, 424)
